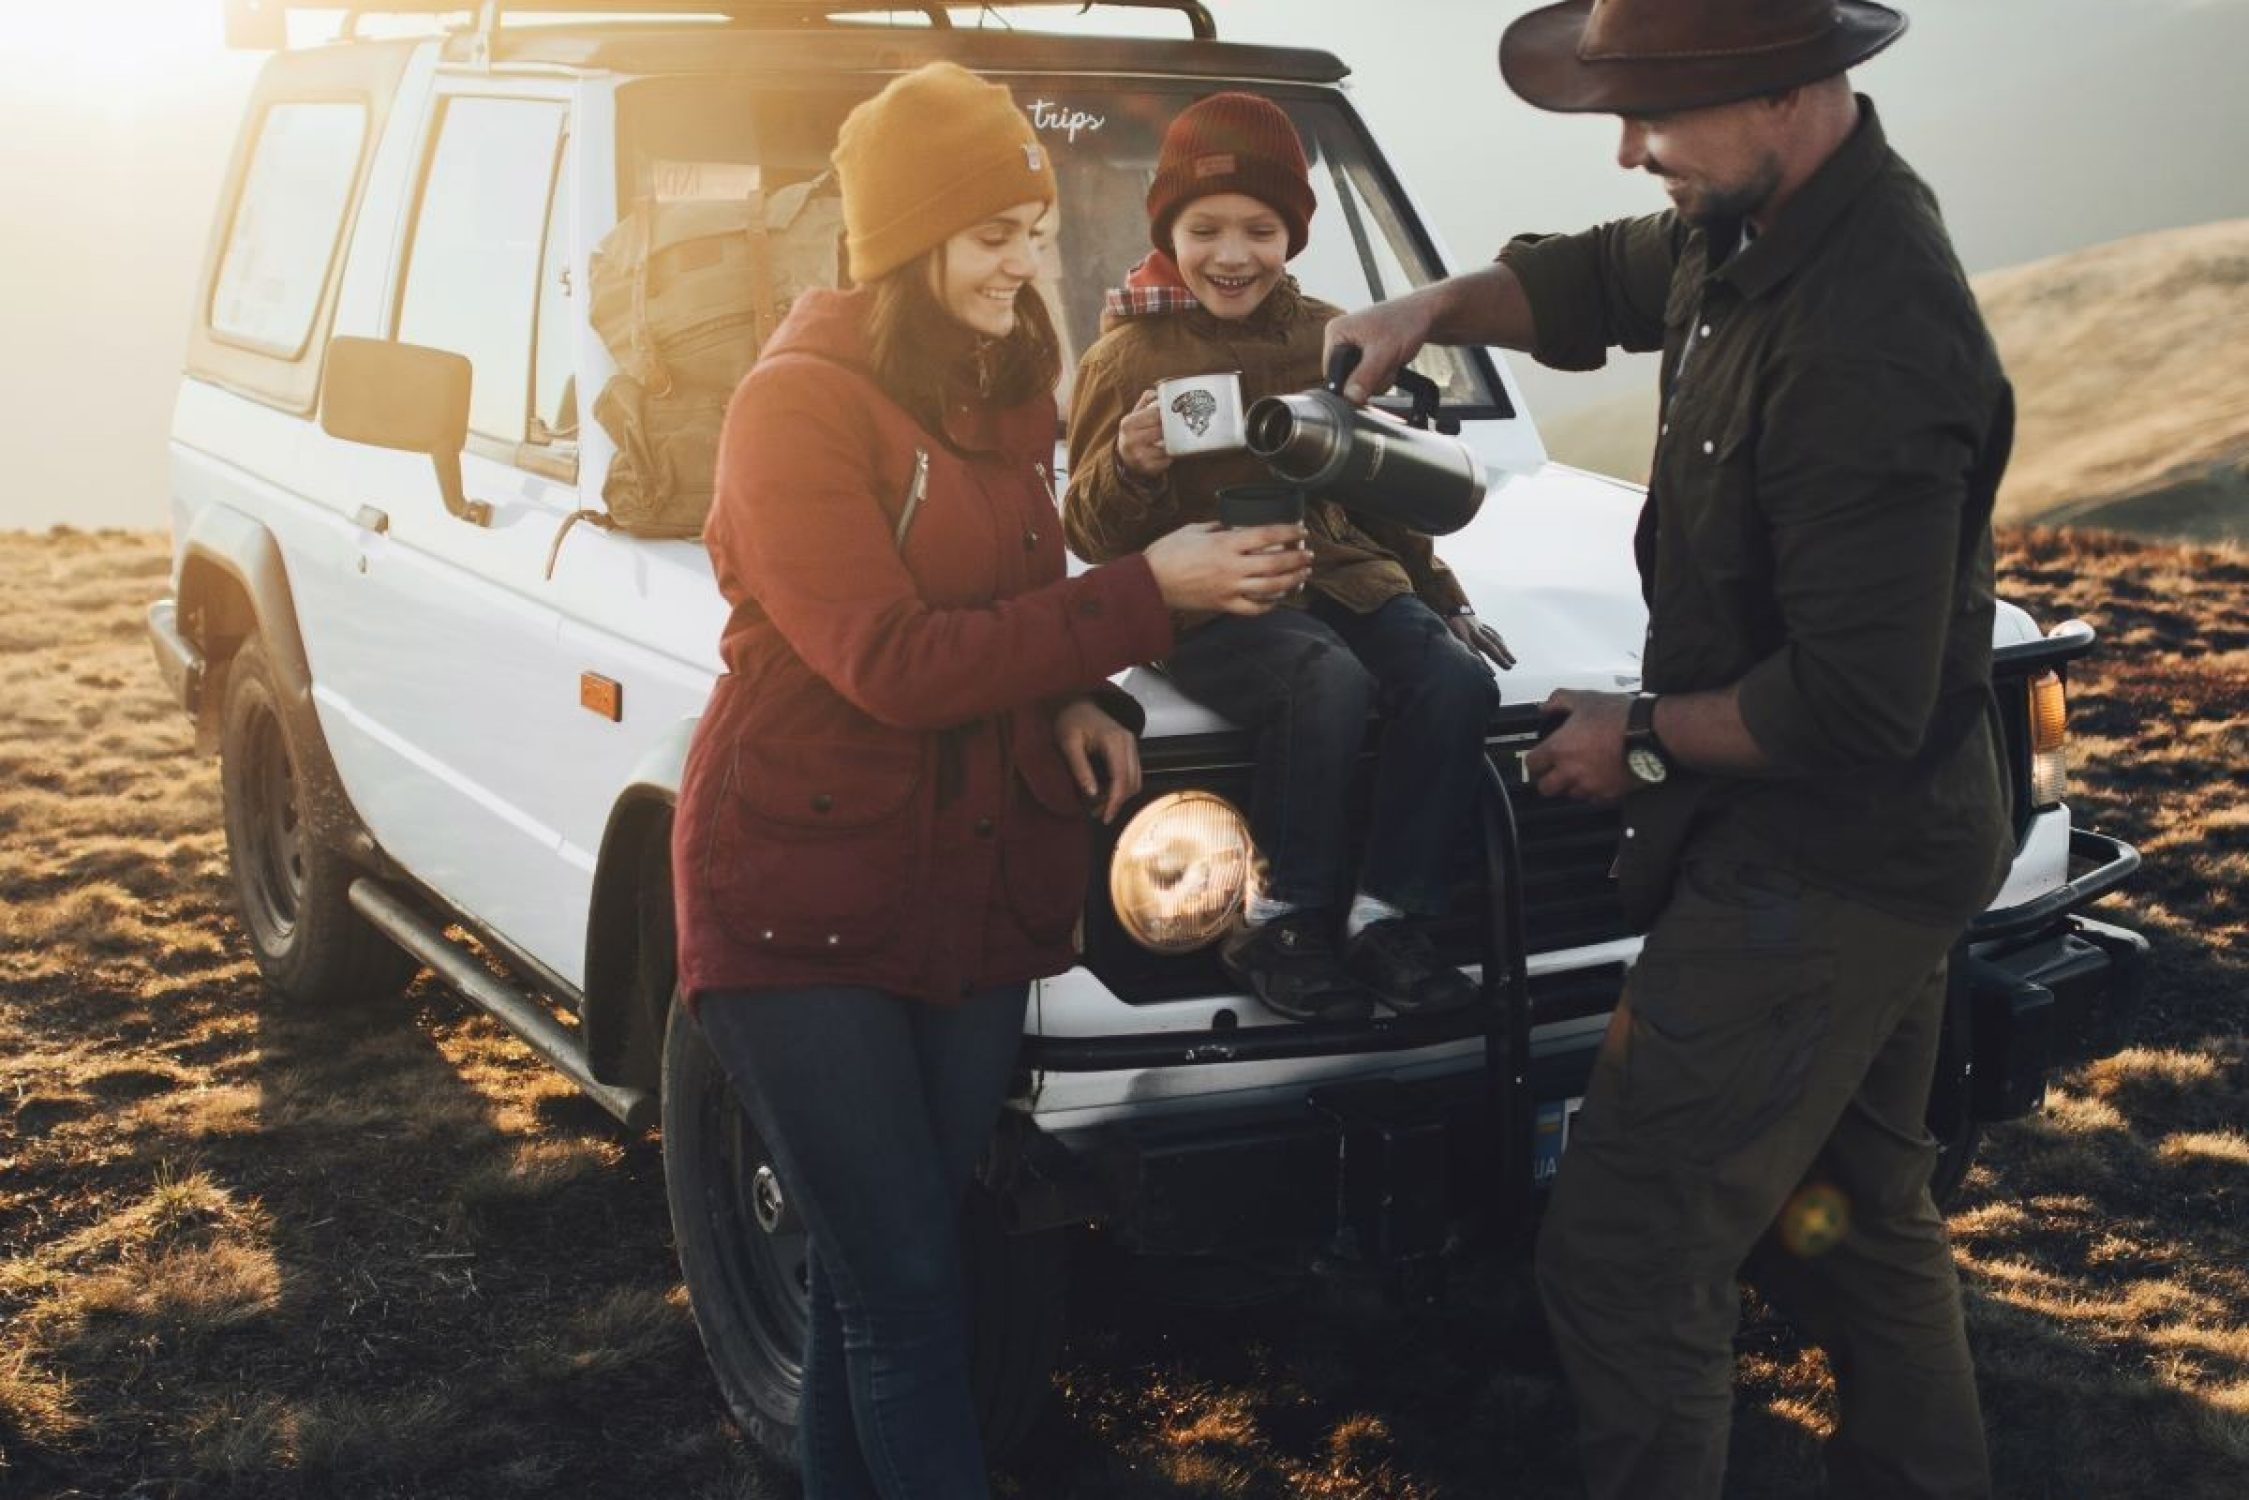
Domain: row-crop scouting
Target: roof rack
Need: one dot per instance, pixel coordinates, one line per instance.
(263, 25)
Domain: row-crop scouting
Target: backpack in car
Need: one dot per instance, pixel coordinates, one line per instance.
(684, 292)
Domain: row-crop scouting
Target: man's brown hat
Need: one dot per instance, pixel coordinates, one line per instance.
(1643, 57)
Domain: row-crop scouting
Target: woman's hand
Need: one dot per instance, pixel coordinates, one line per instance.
(1140, 440)
(1481, 638)
(1243, 571)
(1087, 735)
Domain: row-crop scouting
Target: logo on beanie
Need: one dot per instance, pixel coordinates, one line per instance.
(1033, 157)
(1198, 407)
(1220, 165)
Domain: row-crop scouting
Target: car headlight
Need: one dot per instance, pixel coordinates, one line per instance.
(2049, 741)
(1181, 870)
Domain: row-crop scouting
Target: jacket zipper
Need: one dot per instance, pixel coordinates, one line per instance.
(914, 493)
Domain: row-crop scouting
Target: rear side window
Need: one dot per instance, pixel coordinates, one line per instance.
(472, 276)
(282, 243)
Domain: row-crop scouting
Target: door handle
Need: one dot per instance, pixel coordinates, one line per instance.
(371, 519)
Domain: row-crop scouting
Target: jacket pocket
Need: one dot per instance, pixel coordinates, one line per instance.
(816, 842)
(1046, 848)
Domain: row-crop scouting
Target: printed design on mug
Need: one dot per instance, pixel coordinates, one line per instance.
(1197, 408)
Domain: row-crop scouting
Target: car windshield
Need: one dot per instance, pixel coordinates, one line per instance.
(1103, 135)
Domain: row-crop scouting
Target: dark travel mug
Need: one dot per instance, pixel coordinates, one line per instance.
(1244, 505)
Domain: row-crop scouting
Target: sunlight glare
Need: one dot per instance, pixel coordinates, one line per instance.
(60, 44)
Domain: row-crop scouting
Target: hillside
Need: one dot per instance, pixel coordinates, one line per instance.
(2131, 369)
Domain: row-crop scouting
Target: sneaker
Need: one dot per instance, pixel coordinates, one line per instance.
(1397, 961)
(1290, 964)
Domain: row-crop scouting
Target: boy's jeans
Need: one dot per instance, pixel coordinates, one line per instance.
(1302, 681)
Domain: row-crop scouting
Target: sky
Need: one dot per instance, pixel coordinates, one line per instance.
(2044, 125)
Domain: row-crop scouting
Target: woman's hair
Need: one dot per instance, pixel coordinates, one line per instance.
(923, 355)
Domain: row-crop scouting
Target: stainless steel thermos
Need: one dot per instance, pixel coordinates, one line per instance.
(1401, 471)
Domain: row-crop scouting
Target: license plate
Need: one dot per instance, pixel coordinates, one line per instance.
(1552, 1137)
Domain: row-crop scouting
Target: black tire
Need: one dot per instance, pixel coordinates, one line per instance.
(291, 886)
(1954, 1157)
(1951, 1114)
(744, 1264)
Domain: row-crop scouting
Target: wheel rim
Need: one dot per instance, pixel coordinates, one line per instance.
(768, 1281)
(273, 825)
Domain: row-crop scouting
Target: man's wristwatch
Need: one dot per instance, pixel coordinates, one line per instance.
(1648, 763)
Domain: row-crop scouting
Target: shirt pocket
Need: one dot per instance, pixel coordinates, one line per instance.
(816, 842)
(1046, 847)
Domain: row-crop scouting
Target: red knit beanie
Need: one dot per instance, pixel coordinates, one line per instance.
(1232, 143)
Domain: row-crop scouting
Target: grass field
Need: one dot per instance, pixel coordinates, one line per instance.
(251, 1250)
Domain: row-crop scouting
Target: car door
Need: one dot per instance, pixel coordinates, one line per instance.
(449, 652)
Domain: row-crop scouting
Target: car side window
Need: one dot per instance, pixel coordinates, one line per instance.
(282, 242)
(473, 267)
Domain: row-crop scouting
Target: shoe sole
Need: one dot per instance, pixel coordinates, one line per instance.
(1355, 1011)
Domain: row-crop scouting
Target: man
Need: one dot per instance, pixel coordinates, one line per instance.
(1810, 780)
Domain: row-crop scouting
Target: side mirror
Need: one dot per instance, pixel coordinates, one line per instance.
(403, 396)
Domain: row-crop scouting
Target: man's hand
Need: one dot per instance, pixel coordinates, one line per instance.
(1140, 440)
(1584, 756)
(1386, 336)
(1485, 306)
(1087, 735)
(1480, 638)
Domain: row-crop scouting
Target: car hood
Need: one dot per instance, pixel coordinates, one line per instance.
(1547, 563)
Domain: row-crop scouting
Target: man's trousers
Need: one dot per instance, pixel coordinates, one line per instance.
(1762, 1088)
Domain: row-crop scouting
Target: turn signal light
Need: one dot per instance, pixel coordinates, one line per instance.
(2049, 741)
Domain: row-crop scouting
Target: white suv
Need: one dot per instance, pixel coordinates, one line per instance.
(439, 707)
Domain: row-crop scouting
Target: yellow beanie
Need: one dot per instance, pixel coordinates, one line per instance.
(936, 151)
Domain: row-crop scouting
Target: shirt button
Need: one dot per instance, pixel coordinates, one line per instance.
(765, 936)
(822, 802)
(983, 828)
(833, 940)
(1030, 541)
(1631, 833)
(1090, 608)
(1664, 430)
(1705, 331)
(1708, 446)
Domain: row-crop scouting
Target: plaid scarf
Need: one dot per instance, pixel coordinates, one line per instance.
(1154, 286)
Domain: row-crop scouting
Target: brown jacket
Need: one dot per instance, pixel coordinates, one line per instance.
(874, 795)
(1360, 562)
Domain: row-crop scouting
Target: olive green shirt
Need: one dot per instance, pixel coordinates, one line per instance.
(1834, 423)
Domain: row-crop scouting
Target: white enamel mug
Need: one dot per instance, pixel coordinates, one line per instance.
(1201, 413)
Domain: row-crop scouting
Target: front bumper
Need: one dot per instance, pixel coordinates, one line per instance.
(2044, 986)
(1389, 1172)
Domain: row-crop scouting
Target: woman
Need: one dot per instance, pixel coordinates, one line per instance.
(881, 835)
(1383, 621)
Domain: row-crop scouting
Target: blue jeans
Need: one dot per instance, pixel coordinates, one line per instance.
(1302, 681)
(876, 1110)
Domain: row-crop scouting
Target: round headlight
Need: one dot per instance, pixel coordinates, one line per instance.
(1182, 869)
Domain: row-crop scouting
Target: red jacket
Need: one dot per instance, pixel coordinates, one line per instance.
(874, 795)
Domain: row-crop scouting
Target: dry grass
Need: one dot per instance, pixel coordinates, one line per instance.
(248, 1251)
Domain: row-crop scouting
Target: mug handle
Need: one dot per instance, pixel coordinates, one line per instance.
(1416, 385)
